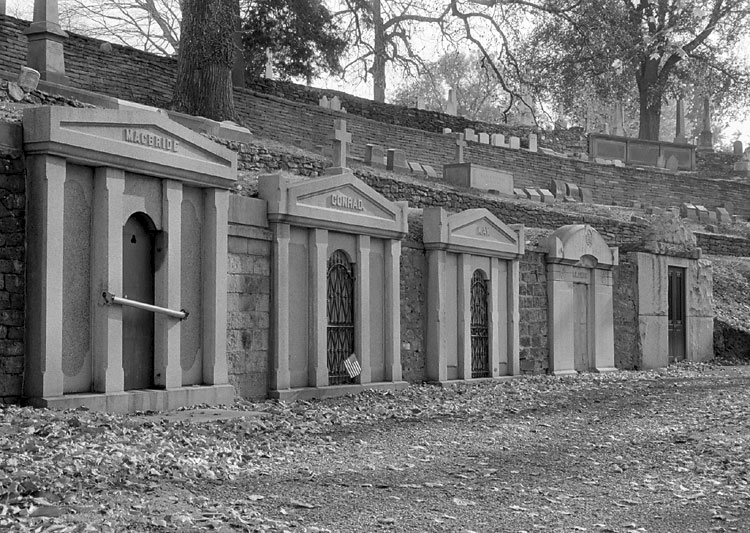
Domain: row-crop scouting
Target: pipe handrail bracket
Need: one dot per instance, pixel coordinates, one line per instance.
(111, 299)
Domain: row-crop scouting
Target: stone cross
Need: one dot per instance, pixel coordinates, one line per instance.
(45, 52)
(460, 145)
(340, 138)
(679, 136)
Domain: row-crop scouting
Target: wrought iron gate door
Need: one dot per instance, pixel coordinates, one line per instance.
(480, 352)
(676, 313)
(340, 316)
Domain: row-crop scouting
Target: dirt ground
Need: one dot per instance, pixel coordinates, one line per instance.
(664, 450)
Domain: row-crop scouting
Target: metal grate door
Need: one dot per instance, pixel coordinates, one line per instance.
(340, 316)
(676, 313)
(480, 352)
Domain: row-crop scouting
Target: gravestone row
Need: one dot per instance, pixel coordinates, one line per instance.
(699, 213)
(495, 139)
(558, 191)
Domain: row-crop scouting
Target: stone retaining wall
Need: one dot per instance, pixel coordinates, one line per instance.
(714, 244)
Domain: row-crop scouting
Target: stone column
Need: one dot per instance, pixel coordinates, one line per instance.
(561, 314)
(601, 325)
(392, 284)
(463, 316)
(495, 315)
(317, 363)
(46, 52)
(514, 317)
(679, 136)
(44, 276)
(362, 299)
(436, 363)
(280, 378)
(2, 7)
(706, 138)
(106, 272)
(215, 230)
(167, 367)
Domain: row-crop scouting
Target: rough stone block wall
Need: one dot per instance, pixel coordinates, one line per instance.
(248, 314)
(714, 244)
(12, 275)
(534, 352)
(731, 342)
(413, 311)
(625, 295)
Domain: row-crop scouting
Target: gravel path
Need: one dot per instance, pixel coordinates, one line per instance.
(631, 451)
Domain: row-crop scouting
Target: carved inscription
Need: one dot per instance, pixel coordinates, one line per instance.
(347, 202)
(149, 139)
(581, 274)
(484, 231)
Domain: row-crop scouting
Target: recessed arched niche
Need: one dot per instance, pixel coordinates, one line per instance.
(579, 292)
(472, 295)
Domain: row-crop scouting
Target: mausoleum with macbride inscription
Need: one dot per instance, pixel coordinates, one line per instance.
(127, 261)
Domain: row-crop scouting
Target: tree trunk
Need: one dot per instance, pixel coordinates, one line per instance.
(378, 63)
(650, 92)
(206, 56)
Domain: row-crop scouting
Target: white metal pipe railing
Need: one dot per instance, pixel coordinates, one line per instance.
(111, 299)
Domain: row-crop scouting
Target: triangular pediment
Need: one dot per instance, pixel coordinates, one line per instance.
(145, 142)
(475, 231)
(340, 202)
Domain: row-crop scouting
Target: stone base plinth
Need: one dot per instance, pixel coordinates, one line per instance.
(140, 400)
(454, 382)
(479, 177)
(332, 391)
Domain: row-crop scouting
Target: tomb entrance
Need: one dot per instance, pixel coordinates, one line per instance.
(335, 285)
(579, 292)
(127, 247)
(472, 295)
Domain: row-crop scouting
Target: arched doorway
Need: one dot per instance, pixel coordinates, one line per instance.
(340, 305)
(138, 285)
(480, 347)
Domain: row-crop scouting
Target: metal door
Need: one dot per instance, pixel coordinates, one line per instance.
(676, 313)
(138, 284)
(581, 355)
(480, 349)
(340, 306)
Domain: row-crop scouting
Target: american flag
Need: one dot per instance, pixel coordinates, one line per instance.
(352, 366)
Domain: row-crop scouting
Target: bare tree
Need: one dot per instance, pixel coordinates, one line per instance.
(150, 25)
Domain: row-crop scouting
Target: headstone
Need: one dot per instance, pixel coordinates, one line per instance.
(587, 196)
(706, 138)
(515, 143)
(339, 140)
(618, 163)
(469, 135)
(736, 147)
(396, 160)
(532, 194)
(619, 120)
(460, 145)
(729, 206)
(557, 187)
(636, 204)
(679, 136)
(713, 218)
(429, 172)
(497, 139)
(702, 213)
(686, 210)
(323, 102)
(519, 193)
(661, 162)
(672, 163)
(605, 128)
(570, 199)
(533, 142)
(653, 210)
(484, 138)
(269, 65)
(28, 80)
(546, 196)
(420, 102)
(451, 106)
(335, 103)
(583, 157)
(15, 92)
(374, 156)
(415, 167)
(571, 189)
(723, 216)
(602, 161)
(447, 131)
